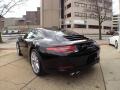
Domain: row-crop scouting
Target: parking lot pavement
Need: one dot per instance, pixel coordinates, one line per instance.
(16, 74)
(88, 80)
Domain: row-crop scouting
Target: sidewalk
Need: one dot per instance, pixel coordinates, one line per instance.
(110, 63)
(102, 42)
(7, 46)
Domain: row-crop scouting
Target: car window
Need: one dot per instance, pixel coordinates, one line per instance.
(38, 34)
(31, 35)
(34, 34)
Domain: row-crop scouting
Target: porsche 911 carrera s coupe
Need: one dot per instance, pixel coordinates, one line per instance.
(52, 51)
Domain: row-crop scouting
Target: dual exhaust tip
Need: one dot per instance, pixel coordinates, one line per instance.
(75, 73)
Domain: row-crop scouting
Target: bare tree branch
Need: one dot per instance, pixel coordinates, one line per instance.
(5, 7)
(101, 10)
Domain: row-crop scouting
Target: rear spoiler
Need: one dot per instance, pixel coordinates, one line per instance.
(75, 42)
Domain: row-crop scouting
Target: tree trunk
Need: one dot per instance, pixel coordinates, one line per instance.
(100, 32)
(1, 38)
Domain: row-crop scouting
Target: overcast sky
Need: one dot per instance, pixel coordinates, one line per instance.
(18, 11)
(31, 5)
(116, 6)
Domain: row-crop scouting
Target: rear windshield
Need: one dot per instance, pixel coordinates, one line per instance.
(50, 33)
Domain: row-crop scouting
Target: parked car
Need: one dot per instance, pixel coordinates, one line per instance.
(114, 40)
(3, 32)
(52, 51)
(111, 32)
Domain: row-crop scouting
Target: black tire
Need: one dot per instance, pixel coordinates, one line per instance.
(18, 49)
(40, 71)
(116, 44)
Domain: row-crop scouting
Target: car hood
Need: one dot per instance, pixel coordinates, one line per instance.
(115, 37)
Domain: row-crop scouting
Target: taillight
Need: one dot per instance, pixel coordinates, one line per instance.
(63, 49)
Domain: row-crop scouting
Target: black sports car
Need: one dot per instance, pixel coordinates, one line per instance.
(50, 51)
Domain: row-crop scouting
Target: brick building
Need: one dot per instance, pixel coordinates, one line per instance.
(33, 17)
(70, 15)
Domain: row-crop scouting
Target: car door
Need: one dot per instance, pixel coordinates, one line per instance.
(22, 43)
(27, 40)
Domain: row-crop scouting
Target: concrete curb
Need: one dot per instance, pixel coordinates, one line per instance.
(7, 48)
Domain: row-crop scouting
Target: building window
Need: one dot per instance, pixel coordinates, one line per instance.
(79, 14)
(68, 15)
(106, 27)
(92, 16)
(62, 26)
(108, 18)
(93, 26)
(69, 5)
(116, 28)
(77, 4)
(115, 24)
(79, 26)
(69, 26)
(115, 18)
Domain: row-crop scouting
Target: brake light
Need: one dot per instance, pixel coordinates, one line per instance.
(63, 49)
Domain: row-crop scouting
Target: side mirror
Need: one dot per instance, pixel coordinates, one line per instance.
(20, 38)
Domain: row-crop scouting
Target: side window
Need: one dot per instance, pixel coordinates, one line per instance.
(34, 34)
(39, 34)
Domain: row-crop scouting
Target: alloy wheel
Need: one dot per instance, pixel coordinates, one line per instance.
(35, 62)
(18, 50)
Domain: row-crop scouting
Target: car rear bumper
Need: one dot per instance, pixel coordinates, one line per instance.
(69, 64)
